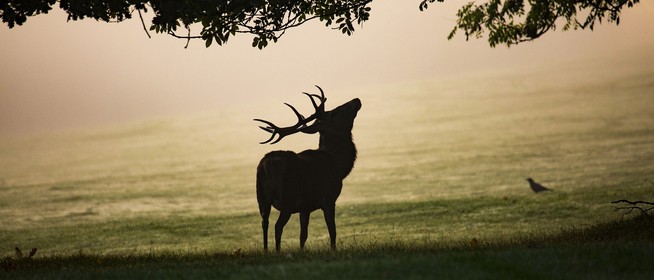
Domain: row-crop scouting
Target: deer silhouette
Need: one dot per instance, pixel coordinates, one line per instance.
(304, 182)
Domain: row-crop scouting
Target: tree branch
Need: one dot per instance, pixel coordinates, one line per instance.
(143, 23)
(634, 207)
(256, 22)
(184, 37)
(633, 202)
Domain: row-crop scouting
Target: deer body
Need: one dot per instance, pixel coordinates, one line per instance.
(304, 182)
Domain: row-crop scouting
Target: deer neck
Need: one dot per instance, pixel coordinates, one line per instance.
(341, 148)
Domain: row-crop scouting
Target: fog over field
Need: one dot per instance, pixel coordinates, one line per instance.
(66, 75)
(451, 138)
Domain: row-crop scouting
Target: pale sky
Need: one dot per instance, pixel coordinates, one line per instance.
(66, 75)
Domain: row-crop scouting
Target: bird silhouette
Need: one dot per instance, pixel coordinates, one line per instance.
(536, 187)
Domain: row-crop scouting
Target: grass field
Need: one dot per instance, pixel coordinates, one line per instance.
(438, 190)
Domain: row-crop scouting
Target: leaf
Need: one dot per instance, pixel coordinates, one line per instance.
(208, 41)
(451, 35)
(219, 41)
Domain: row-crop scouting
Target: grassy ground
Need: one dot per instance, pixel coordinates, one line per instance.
(613, 250)
(438, 190)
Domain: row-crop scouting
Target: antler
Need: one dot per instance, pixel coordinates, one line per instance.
(301, 120)
(320, 97)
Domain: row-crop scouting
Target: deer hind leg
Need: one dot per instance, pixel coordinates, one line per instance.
(279, 228)
(329, 213)
(304, 227)
(265, 213)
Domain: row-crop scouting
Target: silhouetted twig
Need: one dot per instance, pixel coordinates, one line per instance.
(143, 23)
(187, 37)
(635, 206)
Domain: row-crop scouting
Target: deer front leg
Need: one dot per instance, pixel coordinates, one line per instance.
(329, 213)
(304, 227)
(279, 228)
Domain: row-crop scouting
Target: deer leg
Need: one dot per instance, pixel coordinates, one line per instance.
(279, 228)
(329, 213)
(304, 227)
(265, 213)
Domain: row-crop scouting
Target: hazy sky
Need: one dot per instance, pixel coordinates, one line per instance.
(57, 74)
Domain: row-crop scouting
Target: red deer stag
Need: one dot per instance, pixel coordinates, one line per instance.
(303, 182)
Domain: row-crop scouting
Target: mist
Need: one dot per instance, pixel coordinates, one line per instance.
(60, 75)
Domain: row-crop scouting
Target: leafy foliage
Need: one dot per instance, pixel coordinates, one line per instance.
(506, 21)
(267, 20)
(514, 21)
